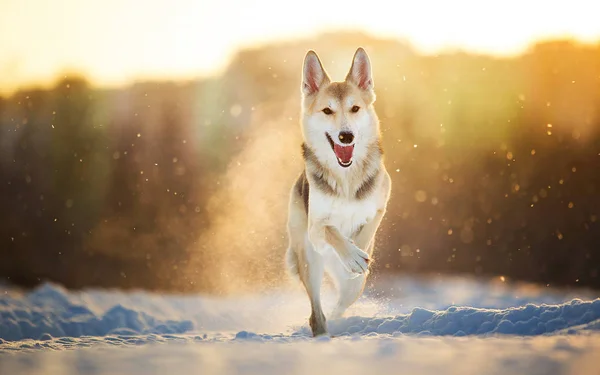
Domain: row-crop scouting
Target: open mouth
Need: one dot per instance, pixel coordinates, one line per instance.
(343, 154)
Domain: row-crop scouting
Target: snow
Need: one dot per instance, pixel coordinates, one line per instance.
(435, 325)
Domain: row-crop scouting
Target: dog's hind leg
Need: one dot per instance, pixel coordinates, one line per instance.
(349, 286)
(291, 262)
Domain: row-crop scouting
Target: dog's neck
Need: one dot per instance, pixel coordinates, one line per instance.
(354, 182)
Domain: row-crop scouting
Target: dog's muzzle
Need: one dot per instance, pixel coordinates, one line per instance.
(342, 153)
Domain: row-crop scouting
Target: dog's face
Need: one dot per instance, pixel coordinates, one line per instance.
(338, 119)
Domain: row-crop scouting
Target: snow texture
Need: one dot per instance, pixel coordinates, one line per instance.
(47, 312)
(52, 312)
(396, 321)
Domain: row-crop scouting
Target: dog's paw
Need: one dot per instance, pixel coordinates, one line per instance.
(356, 261)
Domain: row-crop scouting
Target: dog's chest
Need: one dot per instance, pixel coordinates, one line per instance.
(347, 215)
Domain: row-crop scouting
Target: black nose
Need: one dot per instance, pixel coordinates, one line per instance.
(346, 137)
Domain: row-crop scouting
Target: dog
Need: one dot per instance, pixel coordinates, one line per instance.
(339, 200)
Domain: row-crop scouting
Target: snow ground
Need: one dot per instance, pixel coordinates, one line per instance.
(410, 325)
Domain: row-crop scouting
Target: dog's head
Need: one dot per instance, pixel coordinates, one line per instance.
(338, 118)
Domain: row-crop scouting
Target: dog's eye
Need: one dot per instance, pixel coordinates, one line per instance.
(327, 111)
(355, 109)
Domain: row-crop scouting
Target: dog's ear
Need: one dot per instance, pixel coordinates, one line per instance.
(313, 74)
(360, 71)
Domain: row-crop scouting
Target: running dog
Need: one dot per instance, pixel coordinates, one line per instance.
(339, 200)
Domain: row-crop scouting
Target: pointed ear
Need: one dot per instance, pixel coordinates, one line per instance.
(360, 71)
(313, 74)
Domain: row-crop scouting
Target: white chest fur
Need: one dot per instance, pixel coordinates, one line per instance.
(347, 215)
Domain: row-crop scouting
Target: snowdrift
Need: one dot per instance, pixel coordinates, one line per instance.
(51, 312)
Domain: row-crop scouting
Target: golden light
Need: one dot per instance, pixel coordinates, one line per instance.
(113, 42)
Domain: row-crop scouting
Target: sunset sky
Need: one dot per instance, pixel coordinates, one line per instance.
(115, 41)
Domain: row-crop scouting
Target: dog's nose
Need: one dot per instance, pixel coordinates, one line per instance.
(346, 137)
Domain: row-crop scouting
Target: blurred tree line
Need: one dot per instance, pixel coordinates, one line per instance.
(495, 165)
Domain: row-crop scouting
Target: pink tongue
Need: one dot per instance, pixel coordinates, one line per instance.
(344, 153)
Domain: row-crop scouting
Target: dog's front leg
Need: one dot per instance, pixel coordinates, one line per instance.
(364, 237)
(352, 257)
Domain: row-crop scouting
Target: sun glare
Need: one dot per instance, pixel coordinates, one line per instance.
(113, 42)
